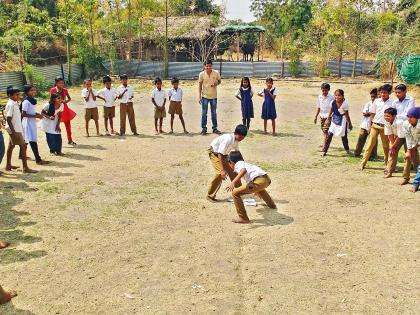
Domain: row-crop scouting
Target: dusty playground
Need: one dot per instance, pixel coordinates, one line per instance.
(122, 226)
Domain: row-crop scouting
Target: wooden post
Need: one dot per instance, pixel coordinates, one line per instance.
(237, 46)
(259, 45)
(166, 57)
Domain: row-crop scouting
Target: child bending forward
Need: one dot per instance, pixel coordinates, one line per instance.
(256, 180)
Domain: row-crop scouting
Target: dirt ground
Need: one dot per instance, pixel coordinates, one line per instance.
(122, 226)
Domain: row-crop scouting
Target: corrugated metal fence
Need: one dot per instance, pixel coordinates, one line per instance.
(190, 70)
(16, 79)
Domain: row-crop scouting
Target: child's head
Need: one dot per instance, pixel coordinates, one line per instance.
(29, 90)
(339, 95)
(158, 83)
(389, 114)
(13, 93)
(124, 79)
(240, 132)
(325, 88)
(269, 82)
(208, 65)
(87, 83)
(59, 82)
(413, 115)
(245, 82)
(175, 83)
(55, 99)
(107, 81)
(400, 91)
(234, 157)
(385, 90)
(374, 94)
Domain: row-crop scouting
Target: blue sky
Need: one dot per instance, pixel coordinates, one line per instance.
(237, 9)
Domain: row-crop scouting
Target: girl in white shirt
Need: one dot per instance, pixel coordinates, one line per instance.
(51, 123)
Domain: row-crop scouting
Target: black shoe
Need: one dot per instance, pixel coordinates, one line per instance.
(203, 132)
(217, 132)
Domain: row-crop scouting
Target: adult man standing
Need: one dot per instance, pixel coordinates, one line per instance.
(208, 81)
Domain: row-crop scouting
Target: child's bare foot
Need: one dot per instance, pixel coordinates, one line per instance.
(6, 296)
(4, 244)
(135, 134)
(274, 134)
(186, 132)
(405, 182)
(211, 199)
(29, 171)
(113, 132)
(388, 175)
(161, 131)
(362, 167)
(265, 132)
(412, 190)
(241, 221)
(156, 132)
(323, 153)
(87, 135)
(107, 134)
(171, 132)
(9, 168)
(42, 162)
(98, 134)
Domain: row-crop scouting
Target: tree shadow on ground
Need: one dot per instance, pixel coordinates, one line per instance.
(270, 217)
(10, 309)
(278, 134)
(82, 157)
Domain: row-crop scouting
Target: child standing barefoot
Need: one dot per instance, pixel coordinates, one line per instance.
(159, 100)
(175, 104)
(245, 94)
(323, 108)
(51, 123)
(91, 109)
(108, 94)
(269, 105)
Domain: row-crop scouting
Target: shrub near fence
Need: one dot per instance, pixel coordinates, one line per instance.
(190, 70)
(17, 79)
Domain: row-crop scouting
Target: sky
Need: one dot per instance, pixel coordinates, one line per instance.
(237, 9)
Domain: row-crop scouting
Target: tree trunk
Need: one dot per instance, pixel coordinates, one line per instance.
(282, 56)
(69, 78)
(340, 60)
(166, 54)
(353, 71)
(129, 34)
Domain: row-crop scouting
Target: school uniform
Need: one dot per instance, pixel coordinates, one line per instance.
(68, 114)
(29, 125)
(175, 104)
(160, 98)
(364, 133)
(396, 130)
(109, 106)
(223, 145)
(91, 109)
(339, 125)
(247, 105)
(256, 182)
(412, 136)
(2, 146)
(324, 105)
(269, 105)
(50, 128)
(127, 108)
(12, 111)
(378, 108)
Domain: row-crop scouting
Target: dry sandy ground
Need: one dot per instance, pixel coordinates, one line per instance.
(122, 226)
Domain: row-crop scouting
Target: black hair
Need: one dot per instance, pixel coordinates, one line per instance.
(11, 90)
(174, 80)
(386, 88)
(208, 62)
(269, 80)
(326, 86)
(106, 79)
(235, 156)
(340, 91)
(51, 108)
(157, 80)
(27, 88)
(123, 76)
(401, 87)
(58, 79)
(374, 91)
(246, 79)
(241, 130)
(392, 111)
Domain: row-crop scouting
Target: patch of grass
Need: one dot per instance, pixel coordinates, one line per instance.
(49, 188)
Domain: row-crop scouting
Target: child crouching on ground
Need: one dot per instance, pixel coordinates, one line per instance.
(256, 180)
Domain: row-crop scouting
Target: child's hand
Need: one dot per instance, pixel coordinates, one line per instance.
(315, 120)
(58, 129)
(39, 116)
(230, 187)
(52, 117)
(350, 126)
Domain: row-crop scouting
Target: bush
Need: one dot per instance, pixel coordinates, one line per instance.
(92, 61)
(37, 79)
(295, 54)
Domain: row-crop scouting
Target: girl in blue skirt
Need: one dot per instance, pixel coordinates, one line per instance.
(245, 94)
(269, 105)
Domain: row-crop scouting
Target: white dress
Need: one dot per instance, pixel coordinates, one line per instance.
(29, 124)
(338, 130)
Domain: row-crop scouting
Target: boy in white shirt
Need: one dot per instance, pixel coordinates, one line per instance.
(411, 129)
(323, 108)
(89, 95)
(378, 123)
(126, 95)
(159, 101)
(15, 130)
(365, 125)
(256, 181)
(218, 153)
(108, 94)
(175, 104)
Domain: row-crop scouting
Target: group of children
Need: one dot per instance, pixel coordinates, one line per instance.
(394, 121)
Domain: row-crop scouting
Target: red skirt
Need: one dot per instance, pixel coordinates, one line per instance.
(67, 115)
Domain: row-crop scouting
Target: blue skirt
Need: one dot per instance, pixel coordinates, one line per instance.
(247, 110)
(269, 111)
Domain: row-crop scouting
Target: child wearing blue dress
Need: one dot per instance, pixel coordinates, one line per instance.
(245, 94)
(269, 105)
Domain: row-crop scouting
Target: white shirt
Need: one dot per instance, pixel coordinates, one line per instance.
(412, 134)
(324, 105)
(159, 96)
(12, 111)
(225, 144)
(402, 108)
(90, 103)
(48, 125)
(176, 95)
(378, 108)
(128, 96)
(392, 129)
(109, 96)
(252, 171)
(238, 92)
(366, 120)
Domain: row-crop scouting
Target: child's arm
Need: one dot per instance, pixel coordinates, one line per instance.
(100, 97)
(57, 128)
(93, 95)
(236, 180)
(122, 94)
(154, 103)
(10, 124)
(261, 94)
(349, 120)
(316, 115)
(67, 96)
(238, 95)
(164, 102)
(273, 97)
